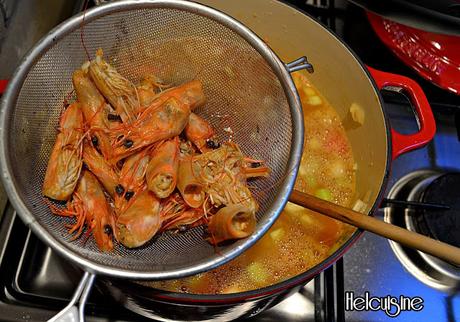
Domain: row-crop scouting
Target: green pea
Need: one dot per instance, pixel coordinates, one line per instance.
(324, 194)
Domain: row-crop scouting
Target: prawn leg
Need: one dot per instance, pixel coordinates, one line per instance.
(186, 218)
(172, 207)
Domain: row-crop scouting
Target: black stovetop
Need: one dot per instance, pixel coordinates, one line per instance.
(35, 284)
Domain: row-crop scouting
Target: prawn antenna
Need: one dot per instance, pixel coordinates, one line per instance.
(82, 30)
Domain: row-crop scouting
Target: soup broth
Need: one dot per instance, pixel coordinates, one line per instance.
(300, 238)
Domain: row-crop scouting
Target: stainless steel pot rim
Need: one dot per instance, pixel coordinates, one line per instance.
(307, 275)
(9, 100)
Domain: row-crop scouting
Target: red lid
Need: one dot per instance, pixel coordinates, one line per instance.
(436, 57)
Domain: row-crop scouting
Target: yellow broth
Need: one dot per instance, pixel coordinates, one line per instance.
(300, 238)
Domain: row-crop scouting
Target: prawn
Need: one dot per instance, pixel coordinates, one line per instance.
(200, 132)
(132, 179)
(96, 163)
(161, 174)
(91, 209)
(65, 162)
(186, 148)
(231, 222)
(95, 111)
(140, 221)
(128, 138)
(148, 90)
(172, 207)
(222, 174)
(119, 91)
(191, 188)
(190, 93)
(153, 125)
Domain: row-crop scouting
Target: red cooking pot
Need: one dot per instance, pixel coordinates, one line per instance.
(343, 80)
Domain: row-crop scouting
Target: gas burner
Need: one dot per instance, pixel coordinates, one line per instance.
(428, 186)
(444, 225)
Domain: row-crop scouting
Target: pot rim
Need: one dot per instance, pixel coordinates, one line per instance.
(168, 296)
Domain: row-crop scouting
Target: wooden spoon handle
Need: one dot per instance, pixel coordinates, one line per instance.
(398, 234)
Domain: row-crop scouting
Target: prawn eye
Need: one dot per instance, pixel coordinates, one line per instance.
(128, 143)
(94, 140)
(212, 145)
(108, 229)
(114, 117)
(255, 164)
(129, 195)
(119, 189)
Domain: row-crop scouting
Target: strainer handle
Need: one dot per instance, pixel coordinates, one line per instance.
(72, 312)
(298, 64)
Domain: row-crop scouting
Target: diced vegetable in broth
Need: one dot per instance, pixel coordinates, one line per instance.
(277, 234)
(257, 273)
(357, 113)
(300, 238)
(314, 100)
(324, 194)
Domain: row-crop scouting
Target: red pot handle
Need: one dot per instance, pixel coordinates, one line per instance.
(3, 83)
(402, 143)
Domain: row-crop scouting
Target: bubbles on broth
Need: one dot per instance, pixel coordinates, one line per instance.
(300, 238)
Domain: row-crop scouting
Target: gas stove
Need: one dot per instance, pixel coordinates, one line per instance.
(382, 267)
(35, 283)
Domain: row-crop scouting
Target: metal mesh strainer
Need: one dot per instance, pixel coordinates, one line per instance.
(177, 41)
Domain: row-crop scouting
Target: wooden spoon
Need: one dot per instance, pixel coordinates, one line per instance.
(403, 236)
